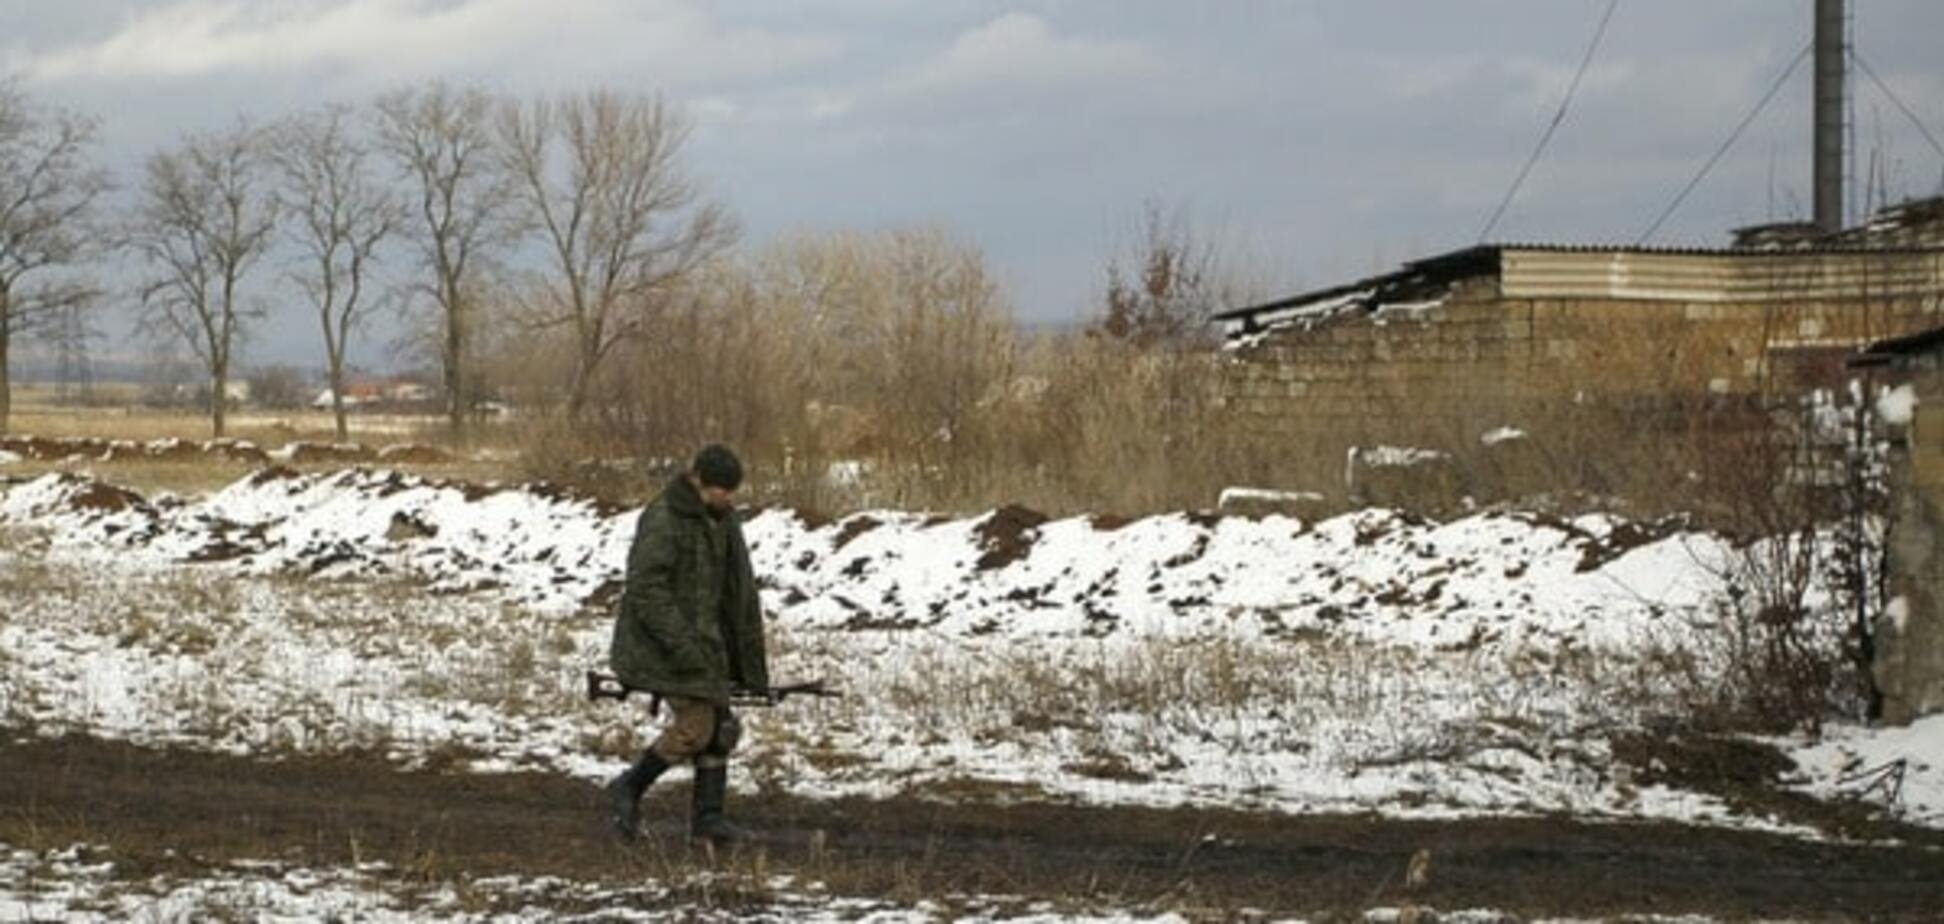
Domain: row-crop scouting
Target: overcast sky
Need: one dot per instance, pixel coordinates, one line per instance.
(1315, 140)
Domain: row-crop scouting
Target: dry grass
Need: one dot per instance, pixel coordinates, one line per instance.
(894, 355)
(37, 413)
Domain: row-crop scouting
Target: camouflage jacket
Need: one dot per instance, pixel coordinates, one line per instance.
(688, 622)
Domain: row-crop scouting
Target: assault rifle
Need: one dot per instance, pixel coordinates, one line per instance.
(608, 686)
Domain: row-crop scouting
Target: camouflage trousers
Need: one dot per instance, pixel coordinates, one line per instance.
(699, 731)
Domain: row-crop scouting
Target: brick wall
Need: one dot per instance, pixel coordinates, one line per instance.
(1478, 360)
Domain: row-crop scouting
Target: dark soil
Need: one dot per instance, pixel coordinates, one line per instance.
(313, 453)
(1007, 536)
(41, 448)
(1108, 522)
(853, 527)
(106, 498)
(181, 811)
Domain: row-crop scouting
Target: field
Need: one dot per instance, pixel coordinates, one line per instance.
(315, 691)
(487, 455)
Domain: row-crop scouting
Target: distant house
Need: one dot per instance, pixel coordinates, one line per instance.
(409, 391)
(356, 394)
(1476, 336)
(373, 393)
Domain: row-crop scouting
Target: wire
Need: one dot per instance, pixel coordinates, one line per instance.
(1558, 117)
(1725, 145)
(1898, 102)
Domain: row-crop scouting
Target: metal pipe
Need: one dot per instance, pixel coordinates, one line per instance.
(1828, 114)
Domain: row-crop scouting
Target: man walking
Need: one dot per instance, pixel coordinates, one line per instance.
(689, 628)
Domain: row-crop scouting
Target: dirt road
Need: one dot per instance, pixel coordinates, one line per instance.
(181, 811)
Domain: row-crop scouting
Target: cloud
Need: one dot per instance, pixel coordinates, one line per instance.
(1021, 49)
(192, 38)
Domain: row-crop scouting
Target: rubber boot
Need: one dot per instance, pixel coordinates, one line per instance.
(707, 823)
(624, 794)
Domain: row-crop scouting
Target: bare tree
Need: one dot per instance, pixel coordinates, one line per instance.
(340, 216)
(205, 217)
(48, 188)
(600, 176)
(1165, 291)
(441, 139)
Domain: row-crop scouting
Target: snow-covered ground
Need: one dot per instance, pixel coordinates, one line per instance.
(1370, 662)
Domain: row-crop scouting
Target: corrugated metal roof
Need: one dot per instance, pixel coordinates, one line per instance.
(1697, 251)
(1721, 276)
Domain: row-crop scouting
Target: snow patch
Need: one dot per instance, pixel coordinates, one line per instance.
(1898, 612)
(1396, 456)
(1233, 496)
(1897, 406)
(1901, 768)
(1502, 435)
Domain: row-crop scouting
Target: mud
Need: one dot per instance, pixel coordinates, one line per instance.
(1007, 536)
(181, 811)
(105, 498)
(301, 453)
(854, 526)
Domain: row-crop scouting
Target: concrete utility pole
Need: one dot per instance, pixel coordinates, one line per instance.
(1831, 69)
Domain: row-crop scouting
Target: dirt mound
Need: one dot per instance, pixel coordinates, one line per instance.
(237, 451)
(173, 451)
(170, 451)
(1108, 522)
(1597, 552)
(1007, 535)
(853, 527)
(25, 447)
(273, 473)
(302, 453)
(122, 450)
(95, 496)
(39, 448)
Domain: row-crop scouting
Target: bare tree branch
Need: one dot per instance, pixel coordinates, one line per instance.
(599, 175)
(48, 188)
(340, 215)
(206, 215)
(441, 139)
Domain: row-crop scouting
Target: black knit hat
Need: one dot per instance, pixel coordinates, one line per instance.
(717, 467)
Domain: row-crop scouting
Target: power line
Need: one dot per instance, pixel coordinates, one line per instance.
(1725, 145)
(1898, 102)
(1558, 117)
